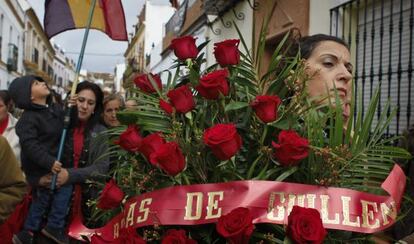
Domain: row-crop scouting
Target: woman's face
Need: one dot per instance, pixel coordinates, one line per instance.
(111, 108)
(3, 110)
(329, 67)
(86, 104)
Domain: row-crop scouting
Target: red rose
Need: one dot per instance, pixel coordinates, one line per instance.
(169, 158)
(129, 236)
(227, 52)
(143, 82)
(150, 143)
(111, 196)
(182, 99)
(176, 237)
(130, 139)
(166, 106)
(223, 140)
(266, 107)
(236, 226)
(291, 148)
(214, 83)
(184, 47)
(305, 226)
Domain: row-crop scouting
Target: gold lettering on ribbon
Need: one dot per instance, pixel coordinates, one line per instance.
(116, 230)
(301, 200)
(130, 216)
(122, 223)
(368, 215)
(189, 206)
(291, 202)
(346, 214)
(280, 208)
(325, 212)
(213, 204)
(143, 208)
(388, 211)
(311, 200)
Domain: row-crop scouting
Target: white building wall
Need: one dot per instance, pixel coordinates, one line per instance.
(11, 32)
(319, 15)
(245, 26)
(119, 72)
(157, 13)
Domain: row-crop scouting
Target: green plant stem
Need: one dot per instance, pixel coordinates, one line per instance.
(251, 169)
(262, 138)
(185, 178)
(222, 108)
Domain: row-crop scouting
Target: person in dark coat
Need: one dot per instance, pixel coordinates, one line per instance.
(39, 130)
(88, 149)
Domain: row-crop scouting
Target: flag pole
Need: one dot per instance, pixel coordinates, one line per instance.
(73, 90)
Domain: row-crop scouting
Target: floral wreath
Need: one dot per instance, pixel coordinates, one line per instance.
(228, 122)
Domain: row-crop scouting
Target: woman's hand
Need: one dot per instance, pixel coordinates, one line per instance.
(62, 177)
(45, 180)
(72, 100)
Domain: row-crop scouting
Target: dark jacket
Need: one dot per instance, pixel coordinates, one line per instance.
(39, 130)
(94, 160)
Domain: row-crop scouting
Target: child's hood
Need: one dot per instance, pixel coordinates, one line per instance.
(21, 90)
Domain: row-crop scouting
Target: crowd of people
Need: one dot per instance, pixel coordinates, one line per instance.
(29, 146)
(29, 149)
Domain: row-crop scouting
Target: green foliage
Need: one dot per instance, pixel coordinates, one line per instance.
(353, 155)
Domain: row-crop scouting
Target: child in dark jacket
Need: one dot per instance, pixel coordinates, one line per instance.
(39, 129)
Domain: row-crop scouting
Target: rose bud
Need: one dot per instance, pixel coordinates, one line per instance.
(143, 83)
(227, 52)
(111, 196)
(184, 47)
(236, 226)
(130, 139)
(305, 226)
(177, 237)
(164, 105)
(213, 84)
(150, 143)
(182, 99)
(291, 148)
(169, 158)
(265, 107)
(223, 140)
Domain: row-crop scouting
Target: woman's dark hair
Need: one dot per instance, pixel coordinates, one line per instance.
(5, 97)
(95, 117)
(308, 43)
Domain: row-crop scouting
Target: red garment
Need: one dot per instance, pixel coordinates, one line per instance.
(3, 124)
(78, 143)
(78, 139)
(16, 220)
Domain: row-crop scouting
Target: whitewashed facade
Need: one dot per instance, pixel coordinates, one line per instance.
(11, 41)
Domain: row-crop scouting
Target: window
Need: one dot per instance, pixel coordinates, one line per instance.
(12, 57)
(35, 57)
(380, 37)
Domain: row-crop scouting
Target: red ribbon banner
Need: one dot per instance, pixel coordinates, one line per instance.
(268, 201)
